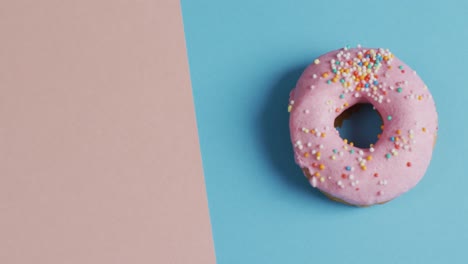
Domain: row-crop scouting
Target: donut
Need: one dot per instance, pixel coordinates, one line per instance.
(339, 80)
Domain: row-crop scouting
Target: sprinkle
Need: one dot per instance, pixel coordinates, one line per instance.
(371, 149)
(400, 67)
(389, 118)
(424, 129)
(315, 77)
(306, 154)
(314, 182)
(376, 175)
(348, 168)
(408, 164)
(342, 96)
(322, 179)
(289, 108)
(321, 167)
(323, 135)
(369, 158)
(306, 111)
(351, 151)
(399, 89)
(388, 155)
(316, 61)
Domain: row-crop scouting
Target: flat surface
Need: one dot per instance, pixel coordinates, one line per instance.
(96, 163)
(245, 57)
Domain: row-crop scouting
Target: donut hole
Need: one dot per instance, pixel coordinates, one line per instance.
(360, 124)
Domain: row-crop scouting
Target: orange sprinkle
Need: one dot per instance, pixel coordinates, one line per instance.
(323, 135)
(398, 132)
(378, 136)
(318, 154)
(306, 154)
(321, 167)
(351, 144)
(424, 129)
(369, 158)
(325, 74)
(317, 174)
(420, 97)
(382, 127)
(363, 167)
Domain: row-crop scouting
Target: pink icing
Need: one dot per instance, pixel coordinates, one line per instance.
(402, 154)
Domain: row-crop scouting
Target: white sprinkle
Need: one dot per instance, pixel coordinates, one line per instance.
(316, 61)
(315, 77)
(309, 144)
(300, 147)
(371, 150)
(314, 182)
(321, 146)
(291, 102)
(361, 152)
(351, 176)
(306, 111)
(314, 152)
(298, 142)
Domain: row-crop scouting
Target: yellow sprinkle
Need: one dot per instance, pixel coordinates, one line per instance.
(424, 129)
(333, 157)
(369, 158)
(322, 179)
(420, 98)
(364, 167)
(289, 108)
(316, 61)
(345, 141)
(351, 144)
(345, 104)
(321, 167)
(323, 135)
(318, 154)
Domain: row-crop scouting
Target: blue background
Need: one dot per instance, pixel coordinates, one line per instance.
(245, 57)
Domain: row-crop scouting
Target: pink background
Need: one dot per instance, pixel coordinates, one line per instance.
(99, 157)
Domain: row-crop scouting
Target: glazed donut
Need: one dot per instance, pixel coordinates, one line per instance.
(339, 80)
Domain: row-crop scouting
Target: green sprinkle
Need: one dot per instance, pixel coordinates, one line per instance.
(399, 89)
(334, 70)
(389, 118)
(388, 155)
(329, 81)
(351, 151)
(341, 96)
(401, 67)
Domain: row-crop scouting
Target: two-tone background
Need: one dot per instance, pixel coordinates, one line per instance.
(156, 132)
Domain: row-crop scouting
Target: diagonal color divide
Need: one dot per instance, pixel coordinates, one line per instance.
(99, 158)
